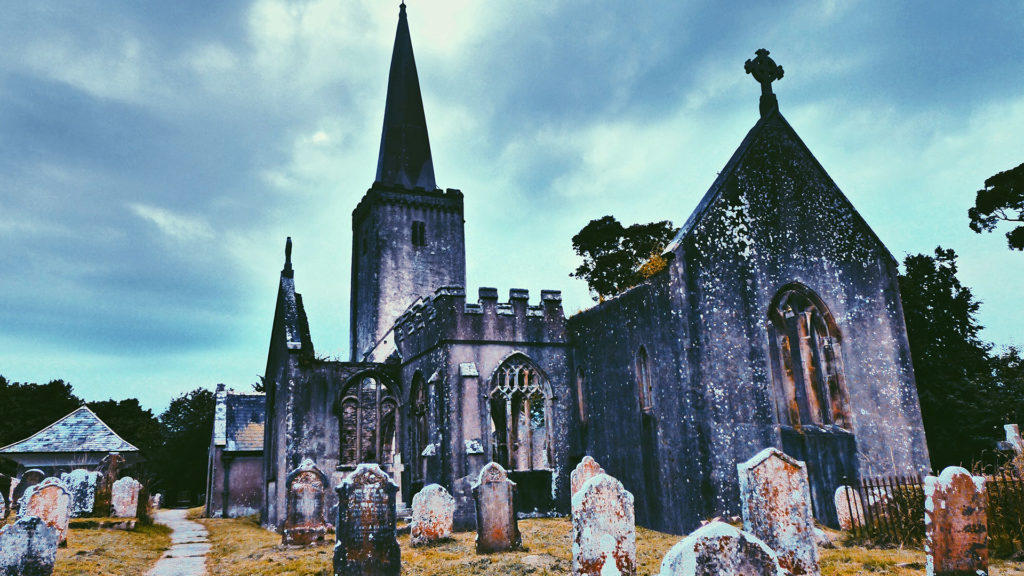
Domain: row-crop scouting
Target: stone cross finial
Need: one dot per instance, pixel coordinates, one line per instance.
(765, 71)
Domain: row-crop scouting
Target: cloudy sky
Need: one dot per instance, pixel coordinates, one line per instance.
(155, 155)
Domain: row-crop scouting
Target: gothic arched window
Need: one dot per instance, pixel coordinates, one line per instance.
(419, 410)
(520, 415)
(807, 364)
(643, 380)
(368, 420)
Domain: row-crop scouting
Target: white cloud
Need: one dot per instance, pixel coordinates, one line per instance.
(178, 226)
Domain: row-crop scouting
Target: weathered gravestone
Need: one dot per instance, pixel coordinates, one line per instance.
(27, 480)
(497, 528)
(433, 513)
(124, 498)
(304, 521)
(367, 540)
(585, 470)
(603, 529)
(50, 502)
(719, 549)
(849, 507)
(775, 498)
(28, 548)
(81, 484)
(955, 523)
(109, 468)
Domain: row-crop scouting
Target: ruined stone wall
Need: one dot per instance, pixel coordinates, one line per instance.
(244, 487)
(667, 478)
(774, 217)
(389, 271)
(458, 346)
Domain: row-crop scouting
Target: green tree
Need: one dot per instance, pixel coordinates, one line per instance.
(616, 258)
(131, 422)
(952, 365)
(27, 408)
(188, 427)
(1001, 200)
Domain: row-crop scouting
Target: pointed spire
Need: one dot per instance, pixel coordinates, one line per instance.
(404, 147)
(287, 272)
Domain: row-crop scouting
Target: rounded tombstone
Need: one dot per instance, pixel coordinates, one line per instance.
(366, 535)
(497, 528)
(603, 529)
(28, 548)
(27, 480)
(720, 549)
(433, 514)
(50, 502)
(304, 518)
(585, 470)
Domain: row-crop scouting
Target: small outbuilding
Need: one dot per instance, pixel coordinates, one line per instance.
(78, 440)
(234, 484)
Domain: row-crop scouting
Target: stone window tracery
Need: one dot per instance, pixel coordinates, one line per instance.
(368, 421)
(520, 401)
(807, 361)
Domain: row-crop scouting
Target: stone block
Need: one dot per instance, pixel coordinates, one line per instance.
(367, 537)
(124, 498)
(719, 549)
(497, 528)
(775, 499)
(81, 484)
(305, 522)
(603, 529)
(28, 548)
(955, 524)
(433, 514)
(585, 470)
(50, 502)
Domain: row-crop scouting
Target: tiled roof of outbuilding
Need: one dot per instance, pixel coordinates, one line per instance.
(245, 421)
(80, 431)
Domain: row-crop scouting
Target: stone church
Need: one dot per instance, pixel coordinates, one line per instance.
(776, 322)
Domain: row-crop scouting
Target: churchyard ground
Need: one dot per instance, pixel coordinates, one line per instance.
(105, 552)
(242, 547)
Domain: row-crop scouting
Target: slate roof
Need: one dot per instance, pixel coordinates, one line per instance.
(80, 431)
(404, 158)
(245, 422)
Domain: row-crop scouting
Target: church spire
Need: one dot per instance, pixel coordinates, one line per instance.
(404, 158)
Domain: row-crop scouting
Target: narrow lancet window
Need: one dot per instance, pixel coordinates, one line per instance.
(643, 379)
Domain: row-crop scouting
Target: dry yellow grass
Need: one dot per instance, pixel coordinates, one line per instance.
(242, 548)
(111, 552)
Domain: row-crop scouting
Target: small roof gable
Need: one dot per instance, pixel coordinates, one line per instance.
(80, 431)
(245, 422)
(771, 123)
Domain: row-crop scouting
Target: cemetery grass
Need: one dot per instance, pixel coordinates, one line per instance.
(242, 547)
(111, 552)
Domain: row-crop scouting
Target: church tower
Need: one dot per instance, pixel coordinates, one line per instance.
(407, 235)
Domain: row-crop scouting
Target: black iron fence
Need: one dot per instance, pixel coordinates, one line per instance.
(890, 510)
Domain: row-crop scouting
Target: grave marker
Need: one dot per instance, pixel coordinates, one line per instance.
(497, 528)
(955, 523)
(603, 529)
(305, 522)
(50, 502)
(433, 513)
(367, 540)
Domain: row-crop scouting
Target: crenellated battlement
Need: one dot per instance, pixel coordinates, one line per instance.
(446, 315)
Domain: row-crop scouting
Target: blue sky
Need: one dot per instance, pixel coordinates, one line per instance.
(154, 156)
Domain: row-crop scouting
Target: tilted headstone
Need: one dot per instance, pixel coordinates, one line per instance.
(849, 507)
(1013, 438)
(109, 469)
(603, 529)
(497, 528)
(955, 523)
(28, 548)
(81, 484)
(305, 522)
(27, 480)
(367, 539)
(585, 470)
(719, 549)
(124, 498)
(50, 502)
(433, 513)
(775, 498)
